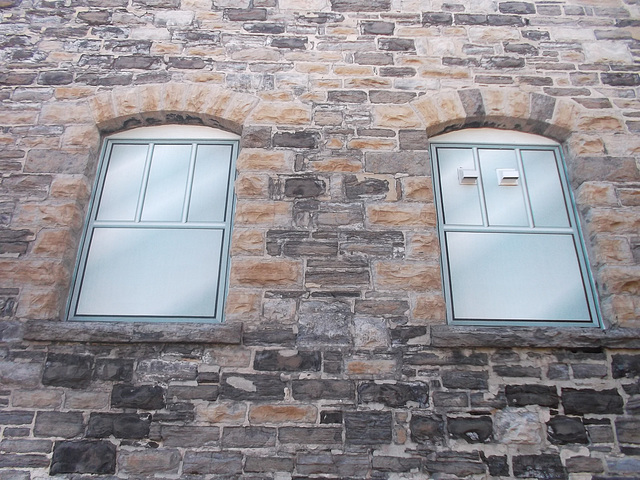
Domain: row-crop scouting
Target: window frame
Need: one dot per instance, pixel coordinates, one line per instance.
(151, 137)
(519, 142)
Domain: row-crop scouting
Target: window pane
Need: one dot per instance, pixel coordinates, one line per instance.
(210, 182)
(505, 203)
(167, 183)
(151, 272)
(461, 202)
(122, 183)
(508, 276)
(545, 190)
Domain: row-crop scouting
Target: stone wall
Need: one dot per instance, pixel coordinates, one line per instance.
(335, 360)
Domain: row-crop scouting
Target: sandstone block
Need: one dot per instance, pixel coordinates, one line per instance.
(283, 414)
(232, 413)
(363, 366)
(408, 215)
(149, 461)
(406, 276)
(265, 273)
(262, 213)
(281, 114)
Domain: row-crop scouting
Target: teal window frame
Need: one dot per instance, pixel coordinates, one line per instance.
(178, 228)
(447, 232)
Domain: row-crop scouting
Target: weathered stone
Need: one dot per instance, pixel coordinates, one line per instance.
(393, 395)
(323, 389)
(427, 429)
(147, 397)
(625, 366)
(377, 28)
(283, 414)
(517, 426)
(273, 360)
(113, 369)
(539, 466)
(470, 380)
(248, 437)
(296, 140)
(120, 425)
(66, 370)
(251, 387)
(16, 417)
(82, 456)
(150, 461)
(471, 429)
(268, 464)
(323, 322)
(522, 395)
(310, 435)
(204, 463)
(360, 5)
(303, 187)
(628, 430)
(461, 464)
(498, 465)
(564, 430)
(367, 428)
(59, 424)
(581, 401)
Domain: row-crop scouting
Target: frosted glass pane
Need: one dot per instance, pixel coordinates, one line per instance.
(545, 190)
(505, 204)
(210, 184)
(167, 183)
(151, 272)
(461, 203)
(122, 183)
(507, 276)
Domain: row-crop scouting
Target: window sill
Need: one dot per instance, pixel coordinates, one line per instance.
(121, 332)
(536, 337)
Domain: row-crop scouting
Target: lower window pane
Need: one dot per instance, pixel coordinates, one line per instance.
(151, 272)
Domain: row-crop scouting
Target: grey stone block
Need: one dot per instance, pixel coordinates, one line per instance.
(59, 424)
(582, 401)
(66, 370)
(120, 425)
(367, 428)
(94, 457)
(146, 397)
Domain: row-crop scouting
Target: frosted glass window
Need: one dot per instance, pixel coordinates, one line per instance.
(156, 245)
(512, 252)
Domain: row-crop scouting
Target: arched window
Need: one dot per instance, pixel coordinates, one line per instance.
(512, 251)
(156, 241)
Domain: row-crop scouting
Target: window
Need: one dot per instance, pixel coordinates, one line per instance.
(156, 243)
(511, 246)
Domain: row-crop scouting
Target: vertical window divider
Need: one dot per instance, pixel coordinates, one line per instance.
(483, 206)
(145, 180)
(525, 189)
(187, 191)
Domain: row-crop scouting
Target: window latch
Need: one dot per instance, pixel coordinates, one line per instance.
(467, 176)
(508, 176)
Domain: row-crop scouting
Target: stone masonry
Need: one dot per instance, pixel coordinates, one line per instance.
(335, 360)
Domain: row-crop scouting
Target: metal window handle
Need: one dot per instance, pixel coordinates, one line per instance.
(508, 177)
(467, 176)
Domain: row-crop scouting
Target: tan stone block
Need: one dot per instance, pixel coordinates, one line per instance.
(396, 116)
(59, 215)
(598, 124)
(336, 165)
(174, 97)
(85, 400)
(419, 189)
(126, 102)
(313, 68)
(610, 250)
(63, 113)
(368, 83)
(160, 48)
(240, 106)
(212, 413)
(150, 98)
(205, 99)
(39, 272)
(428, 108)
(597, 194)
(613, 221)
(256, 55)
(47, 399)
(263, 213)
(444, 73)
(327, 118)
(409, 215)
(518, 104)
(372, 144)
(629, 197)
(341, 30)
(423, 246)
(353, 70)
(40, 304)
(242, 303)
(84, 135)
(334, 143)
(73, 92)
(250, 185)
(283, 414)
(623, 310)
(493, 35)
(314, 56)
(102, 107)
(18, 117)
(429, 307)
(450, 106)
(367, 366)
(281, 114)
(262, 160)
(326, 83)
(39, 142)
(265, 273)
(199, 76)
(228, 356)
(70, 186)
(495, 101)
(620, 279)
(53, 243)
(565, 115)
(247, 242)
(276, 97)
(403, 276)
(586, 145)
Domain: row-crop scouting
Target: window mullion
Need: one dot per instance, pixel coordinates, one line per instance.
(187, 193)
(483, 206)
(525, 189)
(145, 180)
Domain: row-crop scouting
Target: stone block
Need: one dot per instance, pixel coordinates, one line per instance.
(370, 333)
(248, 437)
(548, 467)
(59, 424)
(394, 394)
(265, 273)
(465, 379)
(25, 446)
(146, 397)
(628, 430)
(522, 395)
(323, 390)
(83, 456)
(310, 435)
(206, 463)
(402, 215)
(149, 461)
(287, 361)
(283, 414)
(368, 428)
(38, 399)
(166, 370)
(120, 425)
(563, 430)
(460, 464)
(189, 436)
(16, 417)
(472, 429)
(251, 387)
(322, 322)
(625, 366)
(67, 370)
(263, 464)
(583, 401)
(517, 426)
(114, 369)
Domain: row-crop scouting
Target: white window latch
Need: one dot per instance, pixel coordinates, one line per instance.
(508, 176)
(467, 176)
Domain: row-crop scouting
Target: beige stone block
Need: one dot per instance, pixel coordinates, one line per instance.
(247, 242)
(341, 30)
(613, 221)
(334, 143)
(372, 144)
(629, 197)
(597, 194)
(86, 400)
(276, 97)
(53, 243)
(353, 70)
(150, 98)
(242, 303)
(587, 145)
(38, 272)
(430, 307)
(40, 303)
(206, 99)
(325, 84)
(611, 250)
(200, 76)
(368, 83)
(336, 165)
(265, 273)
(240, 106)
(366, 366)
(174, 97)
(281, 114)
(262, 213)
(102, 107)
(70, 186)
(404, 276)
(620, 279)
(623, 310)
(408, 215)
(428, 108)
(423, 246)
(81, 135)
(327, 118)
(39, 142)
(495, 102)
(599, 124)
(396, 116)
(259, 414)
(58, 215)
(73, 92)
(46, 399)
(314, 56)
(212, 413)
(312, 68)
(262, 160)
(18, 117)
(162, 48)
(228, 356)
(518, 104)
(445, 74)
(126, 102)
(565, 115)
(249, 185)
(63, 113)
(419, 189)
(493, 35)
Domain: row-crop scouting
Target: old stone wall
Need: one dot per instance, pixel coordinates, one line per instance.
(335, 360)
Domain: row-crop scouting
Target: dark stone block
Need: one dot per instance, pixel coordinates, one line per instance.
(264, 27)
(544, 467)
(517, 7)
(66, 370)
(579, 402)
(114, 369)
(521, 395)
(256, 137)
(503, 62)
(207, 463)
(386, 96)
(468, 380)
(273, 360)
(8, 460)
(536, 35)
(360, 5)
(95, 17)
(94, 457)
(281, 337)
(368, 428)
(397, 72)
(292, 43)
(366, 188)
(413, 140)
(436, 18)
(377, 28)
(105, 80)
(472, 429)
(460, 464)
(427, 429)
(142, 62)
(303, 187)
(402, 335)
(628, 430)
(128, 46)
(625, 366)
(347, 96)
(310, 435)
(373, 58)
(393, 395)
(498, 466)
(245, 15)
(562, 430)
(15, 417)
(397, 44)
(146, 397)
(323, 389)
(330, 416)
(388, 244)
(472, 102)
(542, 106)
(268, 464)
(296, 139)
(248, 437)
(505, 20)
(201, 392)
(516, 371)
(120, 425)
(189, 63)
(521, 49)
(394, 464)
(470, 19)
(252, 387)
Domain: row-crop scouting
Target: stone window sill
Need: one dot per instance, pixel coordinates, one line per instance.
(533, 337)
(121, 332)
